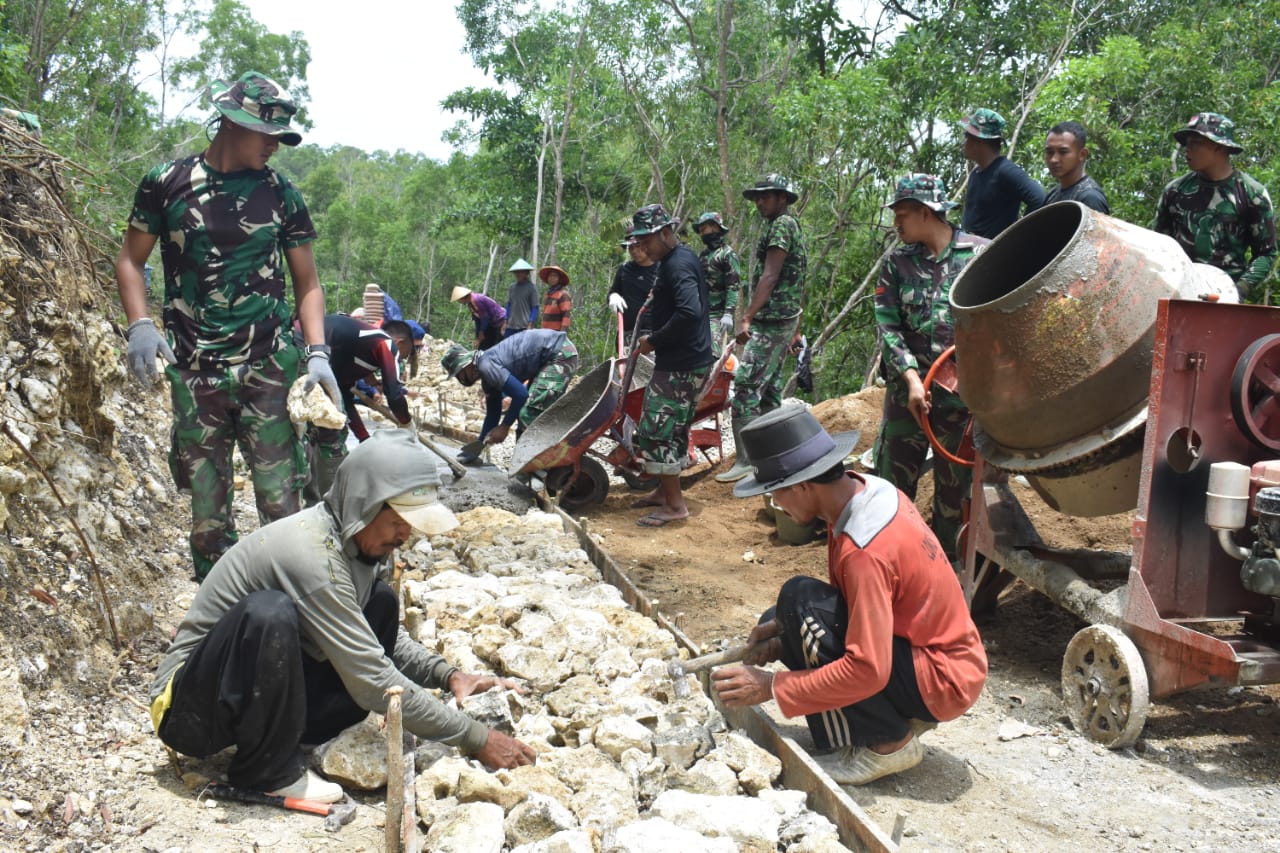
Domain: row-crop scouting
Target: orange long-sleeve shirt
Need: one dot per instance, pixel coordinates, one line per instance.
(893, 574)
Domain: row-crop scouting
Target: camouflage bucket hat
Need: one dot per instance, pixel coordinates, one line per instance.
(984, 124)
(709, 216)
(769, 183)
(258, 103)
(1214, 127)
(650, 219)
(628, 237)
(456, 358)
(926, 189)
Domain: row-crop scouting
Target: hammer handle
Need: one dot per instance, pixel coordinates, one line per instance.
(730, 655)
(229, 792)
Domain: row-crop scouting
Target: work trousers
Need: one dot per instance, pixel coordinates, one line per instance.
(214, 411)
(757, 383)
(662, 437)
(901, 447)
(812, 617)
(248, 684)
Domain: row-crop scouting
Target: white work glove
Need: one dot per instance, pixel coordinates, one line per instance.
(320, 373)
(726, 322)
(617, 303)
(145, 344)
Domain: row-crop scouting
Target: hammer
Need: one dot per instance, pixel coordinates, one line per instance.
(678, 669)
(335, 814)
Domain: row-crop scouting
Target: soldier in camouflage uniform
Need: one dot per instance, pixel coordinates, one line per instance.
(913, 313)
(228, 224)
(724, 274)
(681, 343)
(544, 358)
(1216, 212)
(771, 321)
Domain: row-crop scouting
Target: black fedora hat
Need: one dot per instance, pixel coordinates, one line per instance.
(788, 446)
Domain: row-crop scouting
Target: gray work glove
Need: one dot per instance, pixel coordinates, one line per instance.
(726, 322)
(319, 372)
(145, 344)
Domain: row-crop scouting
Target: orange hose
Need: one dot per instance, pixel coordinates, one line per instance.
(949, 352)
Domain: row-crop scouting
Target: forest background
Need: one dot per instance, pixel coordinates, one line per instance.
(602, 106)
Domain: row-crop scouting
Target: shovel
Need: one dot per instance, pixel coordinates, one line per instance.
(456, 467)
(472, 448)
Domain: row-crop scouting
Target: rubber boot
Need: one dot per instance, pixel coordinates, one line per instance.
(741, 464)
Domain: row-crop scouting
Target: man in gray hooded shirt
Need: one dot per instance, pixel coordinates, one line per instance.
(292, 637)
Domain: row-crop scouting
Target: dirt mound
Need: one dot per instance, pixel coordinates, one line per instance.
(860, 411)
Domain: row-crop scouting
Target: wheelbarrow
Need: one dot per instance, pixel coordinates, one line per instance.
(559, 443)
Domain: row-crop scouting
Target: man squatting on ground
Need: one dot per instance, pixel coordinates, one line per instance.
(723, 269)
(681, 344)
(227, 223)
(913, 312)
(771, 322)
(292, 638)
(544, 358)
(1216, 212)
(883, 651)
(357, 352)
(1065, 154)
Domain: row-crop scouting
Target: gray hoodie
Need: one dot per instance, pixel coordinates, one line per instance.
(312, 557)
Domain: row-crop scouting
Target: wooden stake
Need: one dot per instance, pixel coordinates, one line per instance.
(395, 771)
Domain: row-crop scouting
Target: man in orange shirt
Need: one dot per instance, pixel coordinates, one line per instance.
(884, 651)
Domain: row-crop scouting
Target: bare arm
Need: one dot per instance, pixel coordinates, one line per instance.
(773, 260)
(307, 292)
(134, 252)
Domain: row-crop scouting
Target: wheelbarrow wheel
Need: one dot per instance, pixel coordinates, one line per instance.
(1104, 685)
(589, 488)
(639, 482)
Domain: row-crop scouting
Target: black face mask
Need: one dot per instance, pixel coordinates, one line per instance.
(711, 239)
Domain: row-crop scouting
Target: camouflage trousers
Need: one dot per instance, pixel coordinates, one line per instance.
(900, 453)
(550, 383)
(326, 448)
(662, 436)
(757, 383)
(215, 411)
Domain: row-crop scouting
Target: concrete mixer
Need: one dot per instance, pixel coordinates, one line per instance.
(1115, 375)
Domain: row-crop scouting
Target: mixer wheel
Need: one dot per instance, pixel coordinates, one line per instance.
(1255, 392)
(1104, 686)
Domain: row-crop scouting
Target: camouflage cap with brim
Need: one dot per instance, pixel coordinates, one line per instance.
(984, 124)
(773, 182)
(628, 237)
(1214, 127)
(258, 103)
(456, 358)
(925, 189)
(650, 219)
(712, 217)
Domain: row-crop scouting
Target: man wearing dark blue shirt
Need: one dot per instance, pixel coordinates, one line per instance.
(998, 188)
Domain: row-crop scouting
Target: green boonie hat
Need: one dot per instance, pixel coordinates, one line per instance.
(1214, 127)
(709, 216)
(769, 183)
(650, 219)
(521, 264)
(258, 103)
(984, 124)
(926, 189)
(456, 358)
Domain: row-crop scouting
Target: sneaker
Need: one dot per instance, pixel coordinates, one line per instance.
(858, 765)
(309, 786)
(919, 727)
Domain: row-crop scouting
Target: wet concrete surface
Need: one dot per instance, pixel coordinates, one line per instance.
(485, 484)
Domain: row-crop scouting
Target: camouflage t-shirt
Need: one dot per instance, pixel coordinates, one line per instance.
(786, 300)
(724, 277)
(1217, 222)
(222, 240)
(913, 308)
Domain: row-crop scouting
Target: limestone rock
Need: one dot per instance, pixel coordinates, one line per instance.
(615, 735)
(492, 708)
(477, 785)
(757, 768)
(657, 835)
(680, 747)
(537, 818)
(470, 828)
(314, 406)
(707, 776)
(357, 758)
(565, 841)
(738, 818)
